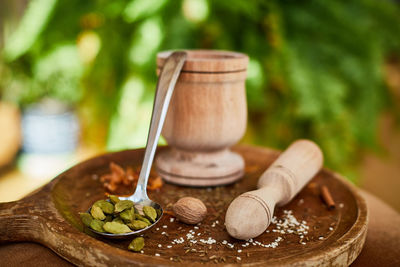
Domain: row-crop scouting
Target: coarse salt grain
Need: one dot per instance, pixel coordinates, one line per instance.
(172, 219)
(159, 245)
(178, 241)
(208, 241)
(157, 255)
(189, 236)
(164, 226)
(238, 258)
(288, 224)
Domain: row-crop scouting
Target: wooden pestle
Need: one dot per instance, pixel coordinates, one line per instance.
(250, 214)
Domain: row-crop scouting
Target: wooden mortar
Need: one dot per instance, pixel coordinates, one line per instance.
(250, 214)
(206, 116)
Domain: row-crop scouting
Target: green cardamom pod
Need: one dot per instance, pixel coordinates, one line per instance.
(137, 244)
(97, 225)
(150, 213)
(114, 199)
(116, 228)
(123, 205)
(118, 220)
(143, 219)
(109, 218)
(97, 213)
(105, 206)
(128, 215)
(137, 225)
(86, 218)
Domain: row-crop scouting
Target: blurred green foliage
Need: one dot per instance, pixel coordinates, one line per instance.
(315, 66)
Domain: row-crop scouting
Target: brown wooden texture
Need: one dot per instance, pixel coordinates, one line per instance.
(207, 115)
(283, 179)
(209, 61)
(50, 217)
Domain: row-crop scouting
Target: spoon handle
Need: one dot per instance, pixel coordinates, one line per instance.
(165, 87)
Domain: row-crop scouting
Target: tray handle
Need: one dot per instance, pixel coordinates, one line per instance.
(20, 221)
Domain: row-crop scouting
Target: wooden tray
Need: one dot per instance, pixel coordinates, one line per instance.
(50, 217)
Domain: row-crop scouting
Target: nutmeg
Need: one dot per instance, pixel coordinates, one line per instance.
(190, 210)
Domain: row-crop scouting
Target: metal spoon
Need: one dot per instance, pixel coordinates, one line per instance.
(165, 87)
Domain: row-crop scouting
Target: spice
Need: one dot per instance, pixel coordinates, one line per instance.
(119, 179)
(114, 199)
(123, 205)
(137, 225)
(137, 244)
(86, 218)
(327, 197)
(155, 183)
(128, 215)
(184, 237)
(190, 242)
(116, 228)
(121, 218)
(97, 225)
(105, 206)
(118, 219)
(97, 213)
(150, 213)
(190, 210)
(143, 219)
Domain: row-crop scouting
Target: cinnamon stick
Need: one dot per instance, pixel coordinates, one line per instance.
(327, 197)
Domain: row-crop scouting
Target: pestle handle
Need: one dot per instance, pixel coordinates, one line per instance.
(250, 214)
(293, 169)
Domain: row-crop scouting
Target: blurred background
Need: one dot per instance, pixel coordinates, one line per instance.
(77, 78)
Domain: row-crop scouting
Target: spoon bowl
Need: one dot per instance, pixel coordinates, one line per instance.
(165, 87)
